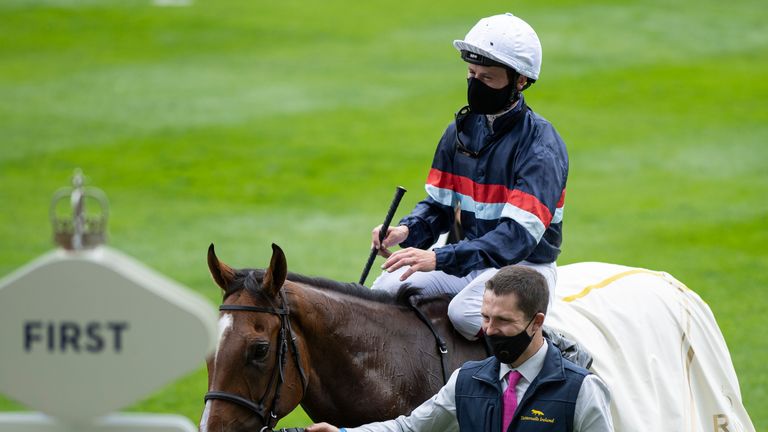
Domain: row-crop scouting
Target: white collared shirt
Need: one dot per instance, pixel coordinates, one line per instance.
(591, 414)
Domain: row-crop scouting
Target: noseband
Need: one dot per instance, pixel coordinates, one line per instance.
(267, 416)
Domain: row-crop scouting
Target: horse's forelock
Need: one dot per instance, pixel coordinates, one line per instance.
(251, 282)
(247, 280)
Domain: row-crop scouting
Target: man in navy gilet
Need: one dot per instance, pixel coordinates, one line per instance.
(525, 386)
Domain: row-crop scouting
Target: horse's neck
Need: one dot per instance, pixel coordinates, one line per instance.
(360, 350)
(355, 324)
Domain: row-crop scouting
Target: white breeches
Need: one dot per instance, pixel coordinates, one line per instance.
(464, 309)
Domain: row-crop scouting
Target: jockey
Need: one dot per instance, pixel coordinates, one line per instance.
(501, 167)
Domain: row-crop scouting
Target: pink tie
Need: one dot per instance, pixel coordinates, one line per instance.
(510, 399)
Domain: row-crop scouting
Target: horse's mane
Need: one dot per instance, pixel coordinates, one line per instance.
(409, 295)
(251, 279)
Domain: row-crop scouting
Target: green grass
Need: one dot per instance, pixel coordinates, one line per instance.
(247, 123)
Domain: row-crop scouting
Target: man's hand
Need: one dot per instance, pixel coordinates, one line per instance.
(395, 235)
(417, 259)
(321, 427)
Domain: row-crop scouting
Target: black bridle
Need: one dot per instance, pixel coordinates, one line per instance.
(267, 415)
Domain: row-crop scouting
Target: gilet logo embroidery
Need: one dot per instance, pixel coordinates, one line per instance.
(537, 416)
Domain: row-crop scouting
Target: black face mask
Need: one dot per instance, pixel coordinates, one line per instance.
(508, 348)
(486, 100)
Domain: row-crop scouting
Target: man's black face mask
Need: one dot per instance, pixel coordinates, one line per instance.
(486, 100)
(509, 348)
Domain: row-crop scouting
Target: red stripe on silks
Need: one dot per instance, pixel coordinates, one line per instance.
(530, 204)
(484, 193)
(561, 201)
(440, 179)
(490, 193)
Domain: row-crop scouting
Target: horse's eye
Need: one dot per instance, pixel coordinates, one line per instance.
(257, 352)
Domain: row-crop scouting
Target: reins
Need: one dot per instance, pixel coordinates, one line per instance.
(267, 415)
(442, 347)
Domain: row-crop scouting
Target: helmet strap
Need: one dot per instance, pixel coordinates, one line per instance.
(512, 77)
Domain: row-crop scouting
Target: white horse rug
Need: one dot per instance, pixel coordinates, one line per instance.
(657, 346)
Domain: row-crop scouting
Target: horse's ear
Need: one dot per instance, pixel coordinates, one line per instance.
(222, 273)
(275, 276)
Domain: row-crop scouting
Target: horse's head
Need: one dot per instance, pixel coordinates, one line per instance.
(256, 375)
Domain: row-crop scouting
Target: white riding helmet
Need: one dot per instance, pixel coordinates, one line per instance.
(505, 39)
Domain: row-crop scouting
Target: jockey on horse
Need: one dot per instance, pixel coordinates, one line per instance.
(501, 166)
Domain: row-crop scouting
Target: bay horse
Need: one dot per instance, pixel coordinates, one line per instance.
(347, 354)
(351, 356)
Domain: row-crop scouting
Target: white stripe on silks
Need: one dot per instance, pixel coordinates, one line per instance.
(492, 211)
(443, 196)
(484, 211)
(527, 220)
(558, 216)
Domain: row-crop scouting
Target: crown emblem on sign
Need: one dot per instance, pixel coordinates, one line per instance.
(77, 228)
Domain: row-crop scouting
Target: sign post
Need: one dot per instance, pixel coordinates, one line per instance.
(87, 330)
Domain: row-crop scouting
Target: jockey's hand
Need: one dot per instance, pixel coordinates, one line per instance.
(417, 259)
(395, 235)
(321, 427)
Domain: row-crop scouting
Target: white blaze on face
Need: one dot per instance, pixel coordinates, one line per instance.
(225, 325)
(204, 418)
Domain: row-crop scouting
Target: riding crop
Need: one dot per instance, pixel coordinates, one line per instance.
(399, 192)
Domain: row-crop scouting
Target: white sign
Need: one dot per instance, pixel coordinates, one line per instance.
(85, 333)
